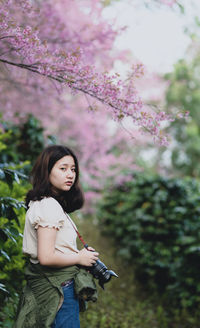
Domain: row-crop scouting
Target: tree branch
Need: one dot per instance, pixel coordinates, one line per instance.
(60, 79)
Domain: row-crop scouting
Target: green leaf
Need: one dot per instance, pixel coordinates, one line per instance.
(3, 288)
(5, 255)
(9, 177)
(9, 234)
(2, 174)
(3, 236)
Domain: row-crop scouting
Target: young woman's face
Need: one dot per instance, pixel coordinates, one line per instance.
(63, 173)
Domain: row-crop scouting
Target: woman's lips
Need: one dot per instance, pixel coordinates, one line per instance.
(69, 183)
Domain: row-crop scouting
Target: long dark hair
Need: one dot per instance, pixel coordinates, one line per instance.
(70, 200)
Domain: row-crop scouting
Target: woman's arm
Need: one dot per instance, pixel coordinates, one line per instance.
(49, 256)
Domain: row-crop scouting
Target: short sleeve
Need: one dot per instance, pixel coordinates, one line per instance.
(46, 213)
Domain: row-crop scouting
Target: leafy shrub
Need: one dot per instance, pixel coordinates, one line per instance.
(155, 222)
(11, 213)
(19, 145)
(23, 141)
(11, 228)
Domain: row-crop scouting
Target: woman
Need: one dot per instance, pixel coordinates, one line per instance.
(57, 282)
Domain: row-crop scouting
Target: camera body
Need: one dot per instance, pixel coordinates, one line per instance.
(101, 272)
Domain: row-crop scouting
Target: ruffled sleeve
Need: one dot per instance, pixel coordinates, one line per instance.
(46, 213)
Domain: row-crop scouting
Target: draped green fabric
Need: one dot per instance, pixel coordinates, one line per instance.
(43, 295)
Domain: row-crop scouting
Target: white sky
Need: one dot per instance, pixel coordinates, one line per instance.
(154, 36)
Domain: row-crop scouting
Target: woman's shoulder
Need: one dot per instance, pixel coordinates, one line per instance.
(46, 212)
(46, 202)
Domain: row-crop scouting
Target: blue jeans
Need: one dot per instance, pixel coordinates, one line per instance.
(68, 314)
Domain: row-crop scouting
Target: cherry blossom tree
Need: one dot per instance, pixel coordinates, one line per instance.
(65, 60)
(53, 47)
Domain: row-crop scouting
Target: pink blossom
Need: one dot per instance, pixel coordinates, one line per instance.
(69, 67)
(41, 61)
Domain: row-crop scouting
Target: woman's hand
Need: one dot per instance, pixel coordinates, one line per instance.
(90, 249)
(87, 257)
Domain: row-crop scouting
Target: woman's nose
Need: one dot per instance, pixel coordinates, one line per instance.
(69, 173)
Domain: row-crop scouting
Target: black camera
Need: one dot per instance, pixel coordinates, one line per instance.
(101, 272)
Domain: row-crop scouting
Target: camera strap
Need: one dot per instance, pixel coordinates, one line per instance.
(78, 234)
(81, 239)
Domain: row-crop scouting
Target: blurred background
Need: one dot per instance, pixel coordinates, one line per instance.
(142, 199)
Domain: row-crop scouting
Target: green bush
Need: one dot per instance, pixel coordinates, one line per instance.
(11, 229)
(19, 145)
(156, 224)
(11, 223)
(23, 141)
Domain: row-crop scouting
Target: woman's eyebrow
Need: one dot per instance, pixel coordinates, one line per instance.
(65, 164)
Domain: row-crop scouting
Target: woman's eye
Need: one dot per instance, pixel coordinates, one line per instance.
(63, 168)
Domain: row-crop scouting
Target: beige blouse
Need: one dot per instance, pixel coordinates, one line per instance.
(48, 213)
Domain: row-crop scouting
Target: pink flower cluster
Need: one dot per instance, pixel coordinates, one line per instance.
(23, 46)
(169, 3)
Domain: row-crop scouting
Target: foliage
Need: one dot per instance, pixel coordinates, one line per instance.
(155, 222)
(8, 312)
(15, 140)
(183, 92)
(11, 228)
(125, 303)
(22, 142)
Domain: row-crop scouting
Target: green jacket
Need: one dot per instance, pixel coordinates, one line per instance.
(43, 295)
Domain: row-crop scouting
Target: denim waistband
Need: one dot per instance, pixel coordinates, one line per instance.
(67, 283)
